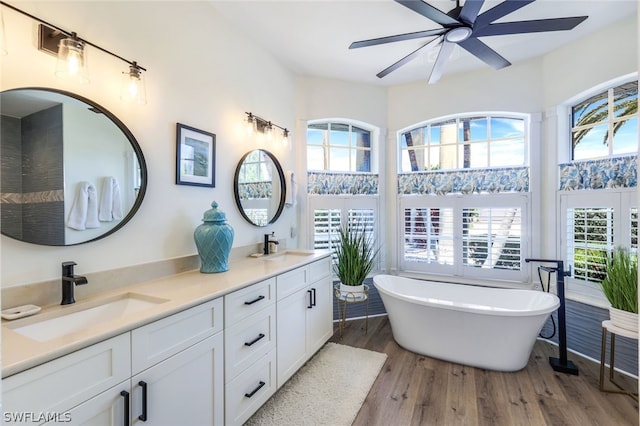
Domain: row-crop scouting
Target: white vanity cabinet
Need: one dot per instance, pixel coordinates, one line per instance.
(179, 359)
(305, 310)
(250, 350)
(50, 390)
(178, 368)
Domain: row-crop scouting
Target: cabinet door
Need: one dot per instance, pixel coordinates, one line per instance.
(105, 409)
(291, 333)
(60, 384)
(185, 389)
(320, 316)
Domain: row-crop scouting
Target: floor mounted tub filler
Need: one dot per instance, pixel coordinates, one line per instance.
(483, 327)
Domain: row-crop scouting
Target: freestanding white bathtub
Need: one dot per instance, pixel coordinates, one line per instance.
(483, 327)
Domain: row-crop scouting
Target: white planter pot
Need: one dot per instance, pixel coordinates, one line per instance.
(624, 319)
(355, 292)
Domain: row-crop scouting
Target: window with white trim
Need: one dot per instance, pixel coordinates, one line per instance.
(339, 147)
(598, 195)
(477, 236)
(464, 142)
(342, 180)
(606, 124)
(327, 223)
(464, 196)
(594, 223)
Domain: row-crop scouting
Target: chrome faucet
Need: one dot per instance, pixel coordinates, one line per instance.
(69, 281)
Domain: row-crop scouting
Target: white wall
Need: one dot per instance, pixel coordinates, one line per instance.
(201, 72)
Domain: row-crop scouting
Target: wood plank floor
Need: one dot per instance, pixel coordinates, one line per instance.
(417, 390)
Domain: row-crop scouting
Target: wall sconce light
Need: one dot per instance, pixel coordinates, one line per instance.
(72, 56)
(72, 59)
(255, 123)
(250, 124)
(133, 88)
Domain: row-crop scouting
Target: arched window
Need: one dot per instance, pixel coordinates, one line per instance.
(338, 147)
(464, 142)
(598, 186)
(606, 124)
(342, 183)
(464, 196)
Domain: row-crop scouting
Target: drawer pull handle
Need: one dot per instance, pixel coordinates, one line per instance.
(253, 392)
(257, 299)
(314, 297)
(143, 416)
(260, 336)
(310, 305)
(127, 413)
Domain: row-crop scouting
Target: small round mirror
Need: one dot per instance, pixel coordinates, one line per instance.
(259, 187)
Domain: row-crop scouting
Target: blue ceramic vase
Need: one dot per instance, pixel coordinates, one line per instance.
(214, 239)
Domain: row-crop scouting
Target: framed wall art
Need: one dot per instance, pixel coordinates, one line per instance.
(195, 157)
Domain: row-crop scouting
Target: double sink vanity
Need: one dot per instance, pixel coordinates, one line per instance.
(190, 348)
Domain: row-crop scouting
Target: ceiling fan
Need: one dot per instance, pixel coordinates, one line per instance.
(462, 26)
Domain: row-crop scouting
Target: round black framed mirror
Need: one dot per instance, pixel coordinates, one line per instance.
(259, 187)
(71, 171)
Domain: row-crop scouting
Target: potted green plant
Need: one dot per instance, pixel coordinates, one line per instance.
(620, 286)
(355, 259)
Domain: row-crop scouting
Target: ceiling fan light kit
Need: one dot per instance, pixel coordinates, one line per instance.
(462, 26)
(456, 35)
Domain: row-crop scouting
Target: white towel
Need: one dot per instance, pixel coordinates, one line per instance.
(110, 204)
(290, 189)
(84, 211)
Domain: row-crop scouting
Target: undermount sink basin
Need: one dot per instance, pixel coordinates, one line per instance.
(80, 316)
(287, 255)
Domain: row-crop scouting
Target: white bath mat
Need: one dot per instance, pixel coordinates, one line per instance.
(327, 390)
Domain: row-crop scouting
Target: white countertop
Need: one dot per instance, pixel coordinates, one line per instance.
(182, 291)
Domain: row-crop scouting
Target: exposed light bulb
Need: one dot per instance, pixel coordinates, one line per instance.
(133, 87)
(72, 59)
(250, 124)
(285, 138)
(268, 131)
(74, 62)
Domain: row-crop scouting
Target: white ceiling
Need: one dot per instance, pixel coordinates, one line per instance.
(311, 37)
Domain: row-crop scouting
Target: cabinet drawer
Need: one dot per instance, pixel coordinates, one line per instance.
(320, 269)
(242, 303)
(245, 394)
(58, 385)
(159, 340)
(249, 340)
(292, 281)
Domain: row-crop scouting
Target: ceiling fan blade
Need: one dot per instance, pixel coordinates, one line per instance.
(441, 60)
(470, 10)
(497, 12)
(484, 53)
(394, 38)
(406, 59)
(428, 11)
(534, 26)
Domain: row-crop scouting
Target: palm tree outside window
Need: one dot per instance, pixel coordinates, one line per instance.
(606, 124)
